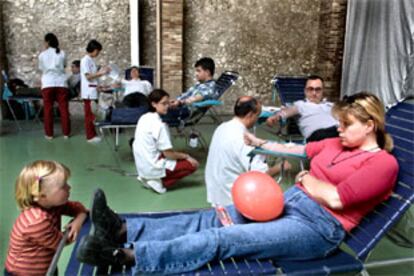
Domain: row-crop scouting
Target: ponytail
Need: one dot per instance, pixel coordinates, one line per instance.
(52, 41)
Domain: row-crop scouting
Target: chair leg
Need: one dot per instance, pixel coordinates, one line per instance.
(13, 115)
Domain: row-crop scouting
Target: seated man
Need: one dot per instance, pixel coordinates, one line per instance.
(204, 89)
(228, 154)
(74, 80)
(315, 119)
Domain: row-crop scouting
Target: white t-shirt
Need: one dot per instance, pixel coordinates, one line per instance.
(314, 116)
(88, 88)
(227, 159)
(133, 86)
(151, 138)
(52, 66)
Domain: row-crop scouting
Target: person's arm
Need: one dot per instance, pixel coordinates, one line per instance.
(100, 73)
(323, 192)
(252, 140)
(75, 226)
(193, 99)
(79, 212)
(175, 155)
(284, 113)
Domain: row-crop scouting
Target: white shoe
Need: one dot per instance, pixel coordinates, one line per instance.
(143, 182)
(95, 140)
(156, 185)
(48, 137)
(66, 137)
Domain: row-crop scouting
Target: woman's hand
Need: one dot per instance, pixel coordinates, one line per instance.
(193, 161)
(300, 175)
(75, 226)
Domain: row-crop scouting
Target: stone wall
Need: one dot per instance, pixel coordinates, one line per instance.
(74, 22)
(256, 38)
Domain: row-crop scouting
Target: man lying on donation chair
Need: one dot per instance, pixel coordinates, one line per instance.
(348, 177)
(204, 89)
(136, 90)
(315, 119)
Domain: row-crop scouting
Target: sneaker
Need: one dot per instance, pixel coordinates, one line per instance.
(143, 182)
(66, 137)
(106, 224)
(95, 140)
(99, 252)
(48, 137)
(156, 185)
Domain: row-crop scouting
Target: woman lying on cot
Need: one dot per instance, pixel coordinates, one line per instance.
(349, 176)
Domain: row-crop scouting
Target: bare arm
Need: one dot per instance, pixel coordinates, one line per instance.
(176, 155)
(98, 74)
(323, 192)
(252, 140)
(284, 113)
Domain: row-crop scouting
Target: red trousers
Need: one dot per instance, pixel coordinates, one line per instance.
(61, 95)
(89, 119)
(182, 169)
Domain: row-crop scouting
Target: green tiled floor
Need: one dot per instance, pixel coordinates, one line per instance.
(97, 166)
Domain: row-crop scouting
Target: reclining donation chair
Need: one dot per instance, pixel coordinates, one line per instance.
(286, 90)
(199, 109)
(361, 240)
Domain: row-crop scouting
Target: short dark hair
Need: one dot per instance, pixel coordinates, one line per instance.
(52, 41)
(155, 97)
(76, 63)
(314, 77)
(207, 64)
(93, 45)
(244, 105)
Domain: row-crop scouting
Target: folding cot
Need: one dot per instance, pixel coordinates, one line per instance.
(26, 101)
(361, 241)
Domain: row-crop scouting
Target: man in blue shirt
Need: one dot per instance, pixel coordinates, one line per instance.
(204, 89)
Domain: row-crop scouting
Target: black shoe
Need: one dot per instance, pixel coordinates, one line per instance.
(99, 252)
(106, 224)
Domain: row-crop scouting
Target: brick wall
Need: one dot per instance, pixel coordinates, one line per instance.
(172, 46)
(331, 44)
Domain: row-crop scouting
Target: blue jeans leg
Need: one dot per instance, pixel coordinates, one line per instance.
(304, 231)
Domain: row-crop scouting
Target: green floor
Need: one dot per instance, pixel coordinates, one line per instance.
(97, 166)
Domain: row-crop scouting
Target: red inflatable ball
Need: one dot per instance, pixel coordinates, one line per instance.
(257, 196)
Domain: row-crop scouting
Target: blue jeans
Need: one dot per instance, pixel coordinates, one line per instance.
(185, 242)
(175, 115)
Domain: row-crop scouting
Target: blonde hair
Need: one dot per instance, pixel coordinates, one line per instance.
(33, 177)
(365, 106)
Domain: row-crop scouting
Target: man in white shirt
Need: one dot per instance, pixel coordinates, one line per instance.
(315, 119)
(136, 89)
(228, 154)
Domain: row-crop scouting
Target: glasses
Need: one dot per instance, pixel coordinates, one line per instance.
(311, 89)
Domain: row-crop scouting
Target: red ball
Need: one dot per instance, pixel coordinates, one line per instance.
(257, 196)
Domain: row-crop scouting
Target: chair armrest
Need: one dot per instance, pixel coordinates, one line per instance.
(207, 103)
